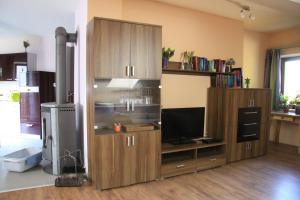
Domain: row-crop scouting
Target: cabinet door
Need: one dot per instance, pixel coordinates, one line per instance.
(262, 98)
(146, 51)
(147, 156)
(112, 160)
(6, 67)
(111, 53)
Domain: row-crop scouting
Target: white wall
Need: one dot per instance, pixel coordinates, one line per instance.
(42, 46)
(80, 73)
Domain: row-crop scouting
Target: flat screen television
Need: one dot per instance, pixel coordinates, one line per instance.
(181, 125)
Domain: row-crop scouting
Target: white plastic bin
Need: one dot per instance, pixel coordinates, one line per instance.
(23, 159)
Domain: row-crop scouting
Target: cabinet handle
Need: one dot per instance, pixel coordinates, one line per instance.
(213, 159)
(250, 124)
(249, 113)
(29, 125)
(132, 70)
(127, 106)
(179, 166)
(128, 141)
(127, 70)
(133, 143)
(249, 135)
(132, 105)
(253, 102)
(9, 79)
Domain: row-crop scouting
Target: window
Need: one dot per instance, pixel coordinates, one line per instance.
(291, 77)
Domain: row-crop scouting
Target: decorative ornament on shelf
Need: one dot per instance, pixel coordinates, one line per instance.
(229, 64)
(166, 55)
(247, 82)
(187, 60)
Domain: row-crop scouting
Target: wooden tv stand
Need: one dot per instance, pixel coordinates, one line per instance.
(188, 158)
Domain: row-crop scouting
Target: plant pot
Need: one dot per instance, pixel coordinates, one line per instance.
(165, 63)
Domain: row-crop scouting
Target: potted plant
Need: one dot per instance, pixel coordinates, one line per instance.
(284, 105)
(187, 60)
(166, 55)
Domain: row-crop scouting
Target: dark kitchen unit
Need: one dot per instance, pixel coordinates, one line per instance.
(39, 89)
(9, 64)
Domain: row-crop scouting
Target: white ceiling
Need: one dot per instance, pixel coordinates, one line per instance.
(37, 17)
(270, 15)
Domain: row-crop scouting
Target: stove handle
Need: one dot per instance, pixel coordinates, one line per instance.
(44, 129)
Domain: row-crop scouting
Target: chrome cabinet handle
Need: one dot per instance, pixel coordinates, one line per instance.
(132, 71)
(9, 79)
(29, 125)
(132, 105)
(250, 124)
(180, 166)
(133, 143)
(127, 106)
(128, 141)
(249, 113)
(213, 159)
(249, 135)
(127, 70)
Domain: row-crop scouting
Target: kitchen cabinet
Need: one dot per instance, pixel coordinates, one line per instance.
(9, 63)
(127, 158)
(125, 50)
(253, 106)
(39, 89)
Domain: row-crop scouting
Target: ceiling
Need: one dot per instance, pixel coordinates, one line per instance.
(271, 15)
(37, 17)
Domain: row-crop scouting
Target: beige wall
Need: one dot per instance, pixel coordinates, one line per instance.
(105, 8)
(285, 39)
(254, 52)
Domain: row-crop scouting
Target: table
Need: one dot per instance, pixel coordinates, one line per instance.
(290, 117)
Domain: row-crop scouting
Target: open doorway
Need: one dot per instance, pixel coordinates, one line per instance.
(27, 74)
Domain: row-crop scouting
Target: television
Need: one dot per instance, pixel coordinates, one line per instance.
(182, 125)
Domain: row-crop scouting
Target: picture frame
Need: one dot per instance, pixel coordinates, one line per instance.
(238, 77)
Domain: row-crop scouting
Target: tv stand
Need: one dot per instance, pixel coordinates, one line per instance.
(187, 158)
(181, 142)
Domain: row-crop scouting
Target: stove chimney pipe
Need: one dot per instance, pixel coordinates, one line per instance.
(62, 37)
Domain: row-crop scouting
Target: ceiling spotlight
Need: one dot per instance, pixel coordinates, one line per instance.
(245, 11)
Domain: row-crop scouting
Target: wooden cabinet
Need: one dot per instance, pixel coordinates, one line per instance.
(125, 50)
(127, 158)
(9, 63)
(225, 104)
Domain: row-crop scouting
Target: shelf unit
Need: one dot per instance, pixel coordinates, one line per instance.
(188, 158)
(174, 68)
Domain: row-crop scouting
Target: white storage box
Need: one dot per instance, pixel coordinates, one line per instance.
(23, 159)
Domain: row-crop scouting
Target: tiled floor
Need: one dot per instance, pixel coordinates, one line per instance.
(32, 178)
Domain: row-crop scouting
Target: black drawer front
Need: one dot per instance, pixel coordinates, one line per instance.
(249, 120)
(249, 115)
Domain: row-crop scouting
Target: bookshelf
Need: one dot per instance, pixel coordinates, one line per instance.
(218, 79)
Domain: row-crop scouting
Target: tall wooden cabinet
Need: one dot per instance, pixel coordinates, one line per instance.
(124, 60)
(125, 50)
(240, 113)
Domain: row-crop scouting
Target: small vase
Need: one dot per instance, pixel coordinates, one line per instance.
(165, 63)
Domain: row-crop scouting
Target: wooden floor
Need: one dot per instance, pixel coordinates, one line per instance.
(275, 176)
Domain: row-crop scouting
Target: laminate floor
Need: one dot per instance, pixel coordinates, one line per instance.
(275, 176)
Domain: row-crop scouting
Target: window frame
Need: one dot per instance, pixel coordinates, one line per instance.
(283, 62)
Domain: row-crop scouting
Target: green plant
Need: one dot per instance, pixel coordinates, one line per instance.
(187, 57)
(284, 101)
(167, 53)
